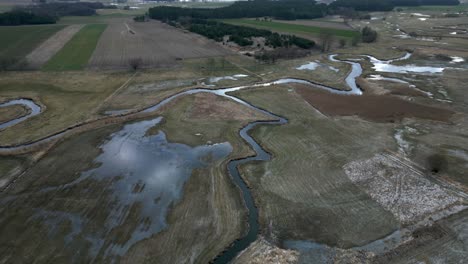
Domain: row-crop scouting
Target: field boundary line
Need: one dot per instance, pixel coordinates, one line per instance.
(115, 92)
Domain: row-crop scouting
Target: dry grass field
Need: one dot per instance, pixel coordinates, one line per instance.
(71, 98)
(346, 171)
(201, 224)
(11, 112)
(154, 43)
(303, 189)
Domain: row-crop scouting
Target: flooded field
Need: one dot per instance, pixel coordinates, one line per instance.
(353, 155)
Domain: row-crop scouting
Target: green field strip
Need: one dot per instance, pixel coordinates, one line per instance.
(291, 28)
(18, 41)
(77, 52)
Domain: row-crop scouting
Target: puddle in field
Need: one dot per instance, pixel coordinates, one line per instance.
(420, 15)
(308, 66)
(311, 252)
(461, 154)
(377, 77)
(313, 65)
(456, 59)
(387, 66)
(144, 170)
(234, 77)
(53, 220)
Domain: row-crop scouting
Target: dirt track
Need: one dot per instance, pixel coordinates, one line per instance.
(155, 43)
(51, 46)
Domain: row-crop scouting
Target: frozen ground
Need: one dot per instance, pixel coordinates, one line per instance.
(398, 187)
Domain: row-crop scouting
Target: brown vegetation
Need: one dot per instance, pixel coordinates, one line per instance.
(379, 108)
(215, 108)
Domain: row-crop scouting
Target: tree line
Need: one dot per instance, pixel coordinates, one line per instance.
(242, 35)
(48, 13)
(285, 9)
(288, 10)
(424, 2)
(18, 17)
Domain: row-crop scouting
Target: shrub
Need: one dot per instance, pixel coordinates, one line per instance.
(437, 163)
(135, 63)
(342, 43)
(368, 35)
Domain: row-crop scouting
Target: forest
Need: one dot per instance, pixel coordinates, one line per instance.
(285, 9)
(242, 35)
(18, 17)
(48, 13)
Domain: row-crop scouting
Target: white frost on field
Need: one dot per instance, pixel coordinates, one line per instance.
(400, 189)
(234, 77)
(308, 66)
(420, 15)
(403, 146)
(456, 59)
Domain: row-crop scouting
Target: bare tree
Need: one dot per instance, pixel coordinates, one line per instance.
(342, 43)
(326, 40)
(135, 63)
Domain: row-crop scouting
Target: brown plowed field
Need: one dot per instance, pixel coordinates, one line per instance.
(155, 43)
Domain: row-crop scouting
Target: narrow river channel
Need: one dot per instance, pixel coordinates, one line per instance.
(30, 104)
(261, 155)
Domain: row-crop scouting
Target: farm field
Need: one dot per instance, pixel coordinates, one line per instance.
(154, 43)
(99, 19)
(17, 42)
(306, 179)
(218, 221)
(202, 151)
(40, 55)
(300, 28)
(77, 52)
(75, 94)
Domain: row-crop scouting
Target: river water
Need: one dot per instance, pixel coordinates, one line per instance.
(159, 168)
(34, 108)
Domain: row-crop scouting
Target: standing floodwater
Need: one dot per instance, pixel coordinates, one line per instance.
(140, 169)
(146, 168)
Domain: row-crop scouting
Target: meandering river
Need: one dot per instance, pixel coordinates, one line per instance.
(261, 155)
(30, 104)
